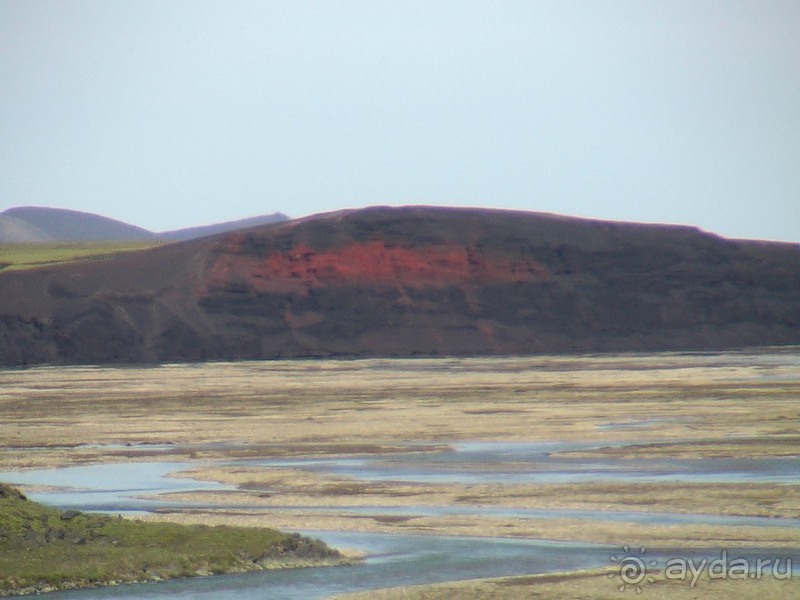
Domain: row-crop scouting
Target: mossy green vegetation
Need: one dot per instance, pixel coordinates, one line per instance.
(46, 549)
(28, 256)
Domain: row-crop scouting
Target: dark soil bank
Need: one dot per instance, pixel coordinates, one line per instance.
(408, 282)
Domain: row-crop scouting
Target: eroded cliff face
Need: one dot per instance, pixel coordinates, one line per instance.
(408, 282)
(363, 264)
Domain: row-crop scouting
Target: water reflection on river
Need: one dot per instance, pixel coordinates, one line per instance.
(395, 560)
(519, 463)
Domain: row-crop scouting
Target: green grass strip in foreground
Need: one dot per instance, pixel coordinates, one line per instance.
(42, 548)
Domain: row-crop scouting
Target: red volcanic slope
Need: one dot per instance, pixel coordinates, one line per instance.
(412, 281)
(367, 263)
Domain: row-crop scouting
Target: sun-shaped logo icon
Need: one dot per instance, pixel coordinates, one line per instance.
(632, 569)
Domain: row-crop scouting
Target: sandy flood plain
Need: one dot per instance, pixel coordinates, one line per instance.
(600, 584)
(737, 405)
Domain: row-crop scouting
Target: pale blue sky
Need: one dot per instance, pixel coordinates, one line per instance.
(167, 114)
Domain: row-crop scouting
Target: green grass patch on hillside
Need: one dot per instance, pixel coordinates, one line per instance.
(27, 256)
(45, 549)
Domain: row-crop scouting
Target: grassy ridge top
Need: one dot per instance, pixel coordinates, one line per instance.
(45, 549)
(29, 256)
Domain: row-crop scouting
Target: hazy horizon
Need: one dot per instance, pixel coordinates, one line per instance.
(180, 114)
(292, 217)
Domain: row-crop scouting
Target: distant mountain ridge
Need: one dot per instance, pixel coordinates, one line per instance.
(409, 281)
(35, 224)
(41, 224)
(191, 233)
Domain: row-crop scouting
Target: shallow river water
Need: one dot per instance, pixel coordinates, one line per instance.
(489, 462)
(394, 560)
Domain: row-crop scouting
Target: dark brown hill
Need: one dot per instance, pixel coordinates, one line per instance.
(410, 281)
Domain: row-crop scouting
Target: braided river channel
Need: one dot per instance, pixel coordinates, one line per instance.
(593, 451)
(399, 560)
